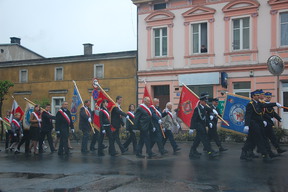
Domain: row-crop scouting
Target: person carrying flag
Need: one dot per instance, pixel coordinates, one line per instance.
(130, 128)
(85, 125)
(63, 122)
(8, 132)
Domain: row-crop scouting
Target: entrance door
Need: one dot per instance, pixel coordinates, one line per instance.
(284, 98)
(162, 92)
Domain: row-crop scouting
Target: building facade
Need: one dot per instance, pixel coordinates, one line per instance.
(216, 46)
(50, 79)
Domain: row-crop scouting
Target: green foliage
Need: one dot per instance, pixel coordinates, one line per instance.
(42, 102)
(4, 87)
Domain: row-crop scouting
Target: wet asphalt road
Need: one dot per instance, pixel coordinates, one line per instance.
(172, 172)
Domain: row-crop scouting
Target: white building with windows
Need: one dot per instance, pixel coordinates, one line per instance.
(213, 46)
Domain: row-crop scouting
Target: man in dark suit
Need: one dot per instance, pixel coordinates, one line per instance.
(199, 122)
(117, 122)
(63, 122)
(46, 129)
(85, 125)
(212, 127)
(143, 121)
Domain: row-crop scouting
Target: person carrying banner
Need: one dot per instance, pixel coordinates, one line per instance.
(46, 129)
(156, 133)
(105, 128)
(254, 125)
(143, 122)
(35, 126)
(168, 123)
(8, 132)
(16, 130)
(130, 128)
(117, 122)
(85, 125)
(199, 122)
(63, 122)
(270, 117)
(213, 121)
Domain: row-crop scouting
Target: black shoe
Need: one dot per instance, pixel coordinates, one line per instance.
(104, 146)
(212, 155)
(164, 152)
(92, 149)
(124, 150)
(194, 156)
(266, 158)
(152, 155)
(253, 155)
(17, 151)
(140, 155)
(221, 149)
(177, 149)
(279, 150)
(197, 153)
(272, 155)
(245, 156)
(114, 154)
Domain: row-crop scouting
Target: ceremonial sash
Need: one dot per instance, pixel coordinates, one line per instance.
(131, 114)
(170, 114)
(143, 106)
(65, 116)
(157, 112)
(16, 123)
(37, 117)
(106, 113)
(6, 119)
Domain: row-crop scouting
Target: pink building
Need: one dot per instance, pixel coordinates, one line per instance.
(202, 42)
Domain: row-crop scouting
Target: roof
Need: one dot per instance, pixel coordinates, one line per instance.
(70, 59)
(16, 44)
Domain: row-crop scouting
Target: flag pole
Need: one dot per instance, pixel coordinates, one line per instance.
(206, 104)
(83, 105)
(32, 103)
(4, 122)
(103, 91)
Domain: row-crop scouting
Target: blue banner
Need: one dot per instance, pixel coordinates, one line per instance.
(76, 101)
(234, 112)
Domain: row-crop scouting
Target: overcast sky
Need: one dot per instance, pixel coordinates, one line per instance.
(55, 28)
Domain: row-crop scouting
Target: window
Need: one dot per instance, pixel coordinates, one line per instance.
(284, 28)
(160, 6)
(56, 104)
(160, 40)
(199, 38)
(23, 76)
(99, 71)
(58, 73)
(198, 89)
(242, 88)
(241, 33)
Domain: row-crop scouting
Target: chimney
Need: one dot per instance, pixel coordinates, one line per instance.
(88, 48)
(15, 40)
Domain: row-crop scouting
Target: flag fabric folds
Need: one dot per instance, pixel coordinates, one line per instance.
(28, 110)
(147, 94)
(187, 103)
(76, 101)
(102, 97)
(16, 109)
(234, 112)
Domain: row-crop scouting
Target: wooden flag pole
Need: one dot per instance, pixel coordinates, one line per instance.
(206, 105)
(4, 122)
(32, 103)
(103, 91)
(83, 106)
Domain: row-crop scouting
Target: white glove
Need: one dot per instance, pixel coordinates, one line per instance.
(154, 129)
(215, 112)
(178, 126)
(6, 131)
(89, 119)
(164, 129)
(191, 131)
(127, 117)
(265, 123)
(273, 120)
(211, 117)
(58, 132)
(15, 134)
(210, 125)
(39, 120)
(246, 129)
(22, 135)
(159, 121)
(278, 105)
(166, 110)
(72, 130)
(103, 131)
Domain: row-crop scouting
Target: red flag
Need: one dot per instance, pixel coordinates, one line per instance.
(187, 103)
(146, 94)
(16, 109)
(102, 97)
(96, 120)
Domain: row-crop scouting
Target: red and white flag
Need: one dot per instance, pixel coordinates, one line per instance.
(16, 109)
(147, 94)
(187, 103)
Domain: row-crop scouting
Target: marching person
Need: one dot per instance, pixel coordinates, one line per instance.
(8, 132)
(35, 126)
(156, 133)
(129, 127)
(96, 134)
(143, 122)
(270, 117)
(254, 125)
(199, 122)
(212, 131)
(117, 122)
(168, 123)
(63, 122)
(16, 131)
(105, 128)
(46, 129)
(85, 125)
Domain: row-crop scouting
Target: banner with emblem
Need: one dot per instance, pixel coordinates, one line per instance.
(76, 101)
(28, 110)
(187, 103)
(234, 112)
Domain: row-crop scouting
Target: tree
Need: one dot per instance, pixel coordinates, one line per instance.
(4, 87)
